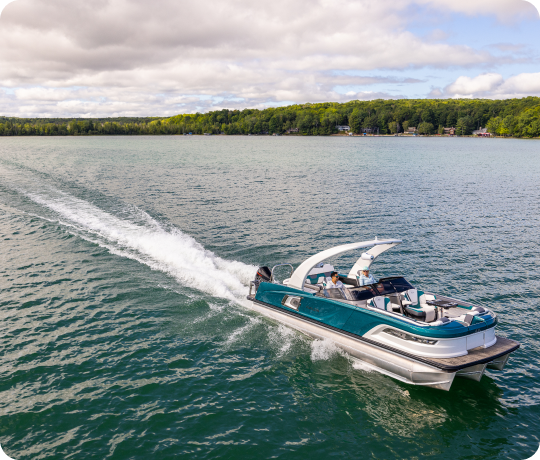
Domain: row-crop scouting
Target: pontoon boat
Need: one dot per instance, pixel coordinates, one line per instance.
(417, 337)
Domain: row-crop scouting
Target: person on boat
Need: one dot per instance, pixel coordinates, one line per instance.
(333, 288)
(365, 278)
(333, 282)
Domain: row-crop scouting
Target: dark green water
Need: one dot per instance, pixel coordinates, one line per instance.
(125, 262)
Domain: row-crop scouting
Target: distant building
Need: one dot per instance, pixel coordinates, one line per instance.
(343, 128)
(411, 130)
(293, 130)
(449, 131)
(367, 130)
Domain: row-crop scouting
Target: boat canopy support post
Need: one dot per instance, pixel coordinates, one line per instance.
(375, 252)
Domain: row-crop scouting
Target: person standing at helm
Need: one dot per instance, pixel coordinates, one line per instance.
(365, 278)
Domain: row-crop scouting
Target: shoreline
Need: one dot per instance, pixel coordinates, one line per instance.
(401, 135)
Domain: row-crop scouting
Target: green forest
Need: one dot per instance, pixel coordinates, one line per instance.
(505, 118)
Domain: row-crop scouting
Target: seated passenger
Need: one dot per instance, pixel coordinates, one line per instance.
(333, 282)
(365, 277)
(333, 288)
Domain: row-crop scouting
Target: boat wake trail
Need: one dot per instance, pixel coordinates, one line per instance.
(167, 250)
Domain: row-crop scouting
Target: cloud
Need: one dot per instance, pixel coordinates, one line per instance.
(509, 47)
(87, 102)
(80, 38)
(493, 85)
(504, 10)
(115, 56)
(525, 83)
(480, 84)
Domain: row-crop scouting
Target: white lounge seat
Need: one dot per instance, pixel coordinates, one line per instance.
(383, 303)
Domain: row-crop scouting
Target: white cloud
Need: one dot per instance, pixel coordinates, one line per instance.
(120, 56)
(81, 38)
(480, 84)
(525, 83)
(505, 10)
(493, 85)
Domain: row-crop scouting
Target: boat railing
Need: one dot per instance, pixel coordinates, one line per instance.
(252, 285)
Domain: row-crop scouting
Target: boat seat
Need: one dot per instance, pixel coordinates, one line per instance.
(412, 295)
(431, 311)
(316, 279)
(440, 321)
(462, 317)
(419, 309)
(396, 301)
(380, 302)
(418, 298)
(319, 273)
(416, 313)
(423, 298)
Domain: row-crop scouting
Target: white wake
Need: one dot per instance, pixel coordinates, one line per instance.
(170, 251)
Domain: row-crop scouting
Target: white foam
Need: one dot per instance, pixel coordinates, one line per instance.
(323, 350)
(170, 251)
(240, 333)
(282, 338)
(363, 366)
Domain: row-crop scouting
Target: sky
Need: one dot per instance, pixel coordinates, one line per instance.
(108, 58)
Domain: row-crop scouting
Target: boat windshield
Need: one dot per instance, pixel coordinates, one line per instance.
(387, 286)
(335, 293)
(354, 294)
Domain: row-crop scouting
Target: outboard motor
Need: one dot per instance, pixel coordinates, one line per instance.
(264, 274)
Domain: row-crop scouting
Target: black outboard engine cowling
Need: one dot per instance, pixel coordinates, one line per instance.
(263, 274)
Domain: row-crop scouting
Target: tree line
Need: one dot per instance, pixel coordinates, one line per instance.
(10, 126)
(509, 118)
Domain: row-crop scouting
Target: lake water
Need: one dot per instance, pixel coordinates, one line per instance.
(124, 268)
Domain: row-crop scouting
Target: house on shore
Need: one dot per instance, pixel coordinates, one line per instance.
(411, 130)
(343, 128)
(449, 131)
(292, 130)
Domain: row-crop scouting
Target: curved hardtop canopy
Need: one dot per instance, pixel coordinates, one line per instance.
(299, 276)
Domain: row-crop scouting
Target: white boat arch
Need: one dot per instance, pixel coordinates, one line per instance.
(299, 276)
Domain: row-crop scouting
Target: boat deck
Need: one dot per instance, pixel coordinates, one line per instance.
(477, 355)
